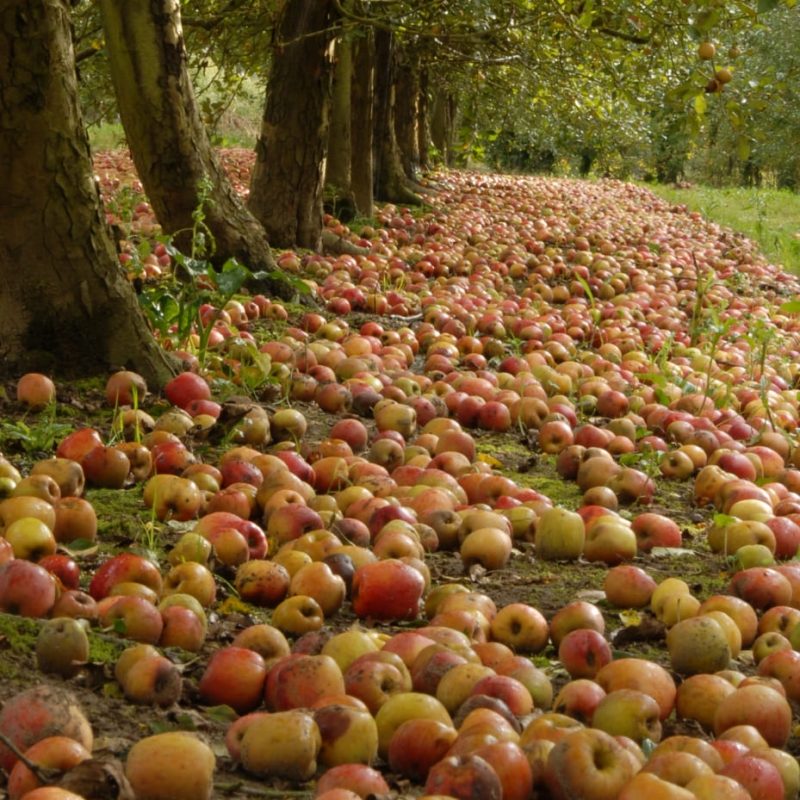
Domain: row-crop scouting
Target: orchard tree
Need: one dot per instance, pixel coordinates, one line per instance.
(286, 187)
(168, 141)
(66, 305)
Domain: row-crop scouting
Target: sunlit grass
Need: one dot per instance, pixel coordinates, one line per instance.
(771, 217)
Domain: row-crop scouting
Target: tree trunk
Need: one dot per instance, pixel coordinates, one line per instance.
(423, 122)
(406, 98)
(338, 190)
(65, 303)
(168, 142)
(361, 96)
(287, 182)
(390, 180)
(442, 124)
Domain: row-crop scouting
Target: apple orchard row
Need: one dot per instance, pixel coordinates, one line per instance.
(636, 343)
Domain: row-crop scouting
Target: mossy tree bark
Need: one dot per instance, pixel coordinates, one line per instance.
(286, 187)
(390, 180)
(442, 123)
(406, 111)
(337, 164)
(168, 141)
(423, 121)
(65, 304)
(361, 108)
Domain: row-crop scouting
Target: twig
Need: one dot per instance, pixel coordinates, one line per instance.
(44, 774)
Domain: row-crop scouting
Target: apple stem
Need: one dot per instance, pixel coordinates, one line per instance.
(45, 774)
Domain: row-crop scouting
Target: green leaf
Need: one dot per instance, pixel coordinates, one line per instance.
(767, 5)
(232, 278)
(221, 713)
(700, 104)
(792, 307)
(722, 520)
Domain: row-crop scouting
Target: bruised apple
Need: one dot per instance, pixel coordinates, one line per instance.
(387, 590)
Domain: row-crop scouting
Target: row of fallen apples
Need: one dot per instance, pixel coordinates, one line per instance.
(468, 639)
(577, 356)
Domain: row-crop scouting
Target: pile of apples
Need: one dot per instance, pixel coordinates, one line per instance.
(633, 344)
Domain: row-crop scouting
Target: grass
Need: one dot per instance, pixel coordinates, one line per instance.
(770, 217)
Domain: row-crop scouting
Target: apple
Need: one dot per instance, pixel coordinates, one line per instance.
(373, 597)
(124, 567)
(757, 705)
(234, 676)
(761, 587)
(298, 615)
(317, 580)
(190, 547)
(106, 467)
(76, 604)
(402, 707)
(758, 776)
(30, 538)
(173, 497)
(583, 652)
(560, 535)
(14, 508)
(35, 390)
(717, 787)
(217, 520)
(349, 735)
(361, 781)
(64, 568)
(65, 472)
(577, 615)
(590, 764)
(646, 784)
(628, 586)
(131, 616)
(125, 388)
(42, 486)
(193, 579)
(151, 679)
(522, 627)
(26, 589)
(463, 776)
(610, 541)
(186, 387)
(171, 766)
(75, 445)
(738, 610)
(263, 583)
(62, 646)
(38, 713)
(510, 690)
(75, 519)
(655, 530)
(374, 676)
(53, 753)
(182, 628)
(628, 712)
(698, 644)
(578, 699)
(644, 676)
(299, 680)
(284, 744)
(417, 745)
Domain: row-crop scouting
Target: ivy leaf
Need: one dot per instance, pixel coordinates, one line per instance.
(767, 5)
